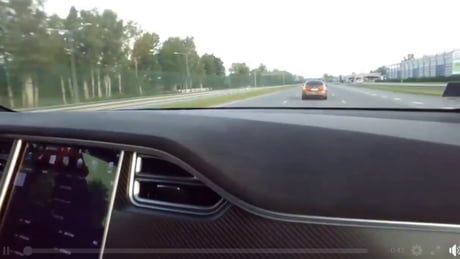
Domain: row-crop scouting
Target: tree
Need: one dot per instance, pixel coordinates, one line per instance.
(144, 51)
(259, 75)
(214, 71)
(144, 58)
(91, 55)
(262, 68)
(176, 56)
(90, 48)
(72, 24)
(409, 57)
(277, 77)
(382, 70)
(239, 69)
(212, 65)
(239, 75)
(328, 78)
(6, 18)
(25, 47)
(113, 37)
(100, 42)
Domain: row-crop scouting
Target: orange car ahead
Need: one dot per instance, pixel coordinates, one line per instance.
(314, 89)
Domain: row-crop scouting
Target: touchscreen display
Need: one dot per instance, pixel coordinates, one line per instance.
(59, 201)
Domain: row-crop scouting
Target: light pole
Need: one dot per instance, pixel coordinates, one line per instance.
(187, 75)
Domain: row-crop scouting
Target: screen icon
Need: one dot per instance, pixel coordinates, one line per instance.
(454, 250)
(416, 250)
(110, 167)
(66, 160)
(80, 163)
(52, 159)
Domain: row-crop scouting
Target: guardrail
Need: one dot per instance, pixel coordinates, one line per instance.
(401, 84)
(194, 90)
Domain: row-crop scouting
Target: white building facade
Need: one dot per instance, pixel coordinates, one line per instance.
(444, 64)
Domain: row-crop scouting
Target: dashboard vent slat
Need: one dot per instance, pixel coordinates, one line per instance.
(195, 195)
(157, 167)
(162, 185)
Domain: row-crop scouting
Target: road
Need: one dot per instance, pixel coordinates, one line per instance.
(350, 96)
(338, 96)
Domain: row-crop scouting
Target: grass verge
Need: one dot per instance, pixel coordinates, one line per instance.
(422, 90)
(46, 104)
(223, 99)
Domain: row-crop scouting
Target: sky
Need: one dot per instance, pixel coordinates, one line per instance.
(304, 37)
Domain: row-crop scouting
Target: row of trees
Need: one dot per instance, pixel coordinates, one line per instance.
(93, 55)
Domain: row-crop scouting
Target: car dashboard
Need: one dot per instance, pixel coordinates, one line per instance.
(229, 183)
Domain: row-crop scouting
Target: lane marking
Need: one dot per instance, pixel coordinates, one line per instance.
(285, 101)
(397, 99)
(344, 102)
(374, 94)
(384, 96)
(417, 102)
(333, 95)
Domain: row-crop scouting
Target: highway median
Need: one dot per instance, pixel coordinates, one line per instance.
(185, 100)
(215, 101)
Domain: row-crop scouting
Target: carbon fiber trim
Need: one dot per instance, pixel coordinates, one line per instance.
(239, 234)
(236, 233)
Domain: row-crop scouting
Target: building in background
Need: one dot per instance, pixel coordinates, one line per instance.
(363, 77)
(445, 64)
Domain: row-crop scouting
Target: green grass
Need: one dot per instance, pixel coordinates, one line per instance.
(422, 90)
(99, 171)
(222, 99)
(51, 103)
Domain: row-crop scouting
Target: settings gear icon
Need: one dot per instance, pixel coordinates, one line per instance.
(416, 250)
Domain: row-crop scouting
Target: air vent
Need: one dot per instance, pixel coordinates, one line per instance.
(5, 148)
(159, 168)
(160, 184)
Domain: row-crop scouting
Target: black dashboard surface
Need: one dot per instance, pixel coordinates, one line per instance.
(384, 165)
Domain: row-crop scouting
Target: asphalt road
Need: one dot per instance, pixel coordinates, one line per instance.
(350, 96)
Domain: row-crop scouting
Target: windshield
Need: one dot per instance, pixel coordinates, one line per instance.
(90, 55)
(314, 83)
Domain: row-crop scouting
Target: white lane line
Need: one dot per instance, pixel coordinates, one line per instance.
(285, 101)
(397, 99)
(343, 101)
(374, 94)
(417, 102)
(332, 94)
(384, 96)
